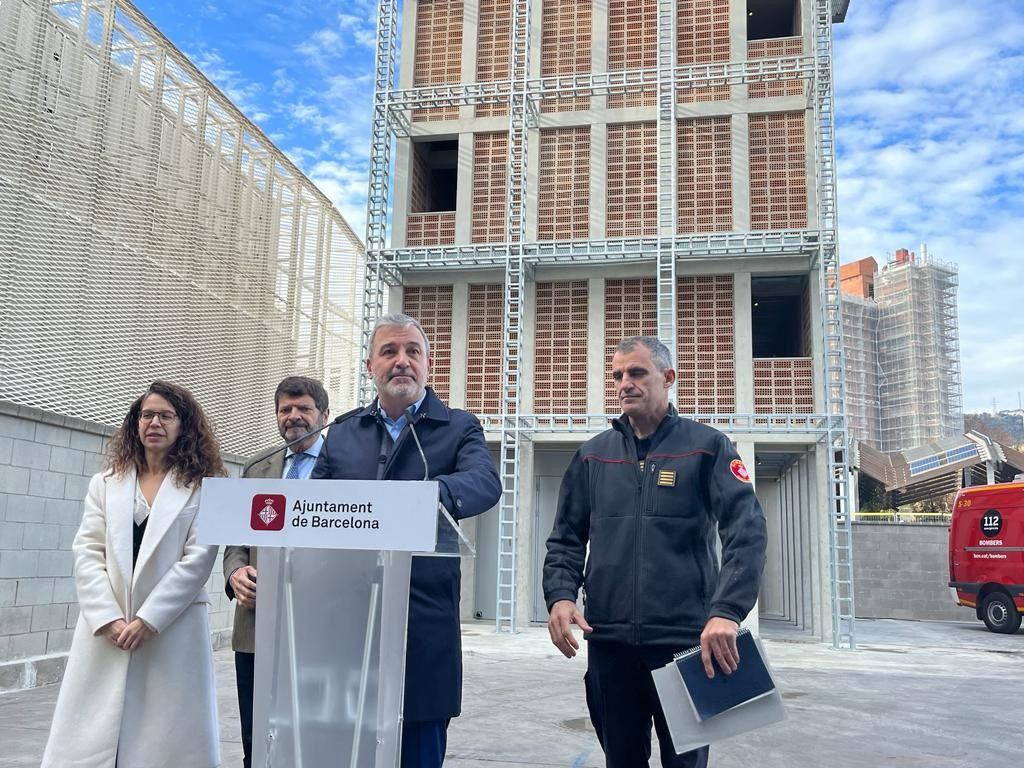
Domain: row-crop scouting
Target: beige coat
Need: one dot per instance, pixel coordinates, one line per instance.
(154, 707)
(243, 635)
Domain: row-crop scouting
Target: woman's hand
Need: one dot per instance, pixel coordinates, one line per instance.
(113, 630)
(134, 635)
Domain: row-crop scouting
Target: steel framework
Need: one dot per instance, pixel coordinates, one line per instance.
(918, 353)
(522, 93)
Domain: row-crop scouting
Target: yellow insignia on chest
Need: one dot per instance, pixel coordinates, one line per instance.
(667, 478)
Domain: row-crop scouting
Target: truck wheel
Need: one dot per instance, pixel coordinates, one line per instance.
(1000, 614)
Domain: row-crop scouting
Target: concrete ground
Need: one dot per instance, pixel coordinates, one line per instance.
(915, 694)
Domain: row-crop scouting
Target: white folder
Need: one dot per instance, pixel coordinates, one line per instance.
(689, 733)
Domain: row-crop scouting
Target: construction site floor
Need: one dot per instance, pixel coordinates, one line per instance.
(920, 694)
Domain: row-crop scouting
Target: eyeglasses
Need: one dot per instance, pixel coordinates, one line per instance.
(166, 417)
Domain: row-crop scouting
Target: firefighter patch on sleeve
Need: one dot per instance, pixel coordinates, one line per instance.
(739, 471)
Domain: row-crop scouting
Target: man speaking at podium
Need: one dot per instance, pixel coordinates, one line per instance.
(380, 443)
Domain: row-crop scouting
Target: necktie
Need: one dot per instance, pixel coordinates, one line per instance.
(298, 460)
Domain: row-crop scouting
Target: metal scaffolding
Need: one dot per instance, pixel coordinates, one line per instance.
(522, 92)
(149, 230)
(836, 441)
(860, 338)
(918, 353)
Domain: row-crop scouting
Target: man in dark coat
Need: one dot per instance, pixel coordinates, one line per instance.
(378, 444)
(639, 512)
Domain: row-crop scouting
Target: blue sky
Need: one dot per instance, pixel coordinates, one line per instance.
(930, 134)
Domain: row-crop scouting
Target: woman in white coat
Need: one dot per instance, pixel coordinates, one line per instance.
(138, 691)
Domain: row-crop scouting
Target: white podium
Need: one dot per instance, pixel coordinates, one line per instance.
(333, 597)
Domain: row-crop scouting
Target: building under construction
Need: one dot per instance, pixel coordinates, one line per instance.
(902, 351)
(550, 177)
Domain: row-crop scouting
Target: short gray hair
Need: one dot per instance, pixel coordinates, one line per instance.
(397, 319)
(660, 355)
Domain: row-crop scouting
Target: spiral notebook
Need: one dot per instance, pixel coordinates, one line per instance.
(713, 696)
(687, 731)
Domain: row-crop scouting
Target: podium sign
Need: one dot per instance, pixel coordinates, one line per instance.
(321, 514)
(330, 624)
(330, 658)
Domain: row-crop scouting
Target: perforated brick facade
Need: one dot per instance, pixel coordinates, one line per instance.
(706, 367)
(494, 30)
(432, 306)
(484, 324)
(632, 191)
(783, 385)
(418, 184)
(564, 184)
(775, 48)
(438, 51)
(632, 44)
(705, 175)
(490, 170)
(702, 32)
(565, 47)
(431, 229)
(778, 171)
(560, 367)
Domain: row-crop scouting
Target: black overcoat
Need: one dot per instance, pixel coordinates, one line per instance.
(453, 442)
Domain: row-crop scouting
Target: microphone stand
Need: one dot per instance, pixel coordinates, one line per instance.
(410, 416)
(441, 508)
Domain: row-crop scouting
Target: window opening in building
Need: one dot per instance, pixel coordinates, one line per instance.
(435, 175)
(779, 316)
(768, 19)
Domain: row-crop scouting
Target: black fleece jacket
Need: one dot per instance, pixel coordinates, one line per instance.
(652, 576)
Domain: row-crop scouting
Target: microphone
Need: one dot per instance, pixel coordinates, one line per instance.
(277, 449)
(410, 415)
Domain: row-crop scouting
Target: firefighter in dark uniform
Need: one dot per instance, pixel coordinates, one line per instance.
(650, 496)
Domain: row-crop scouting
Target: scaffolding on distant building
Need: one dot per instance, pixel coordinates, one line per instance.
(860, 338)
(918, 351)
(902, 351)
(148, 229)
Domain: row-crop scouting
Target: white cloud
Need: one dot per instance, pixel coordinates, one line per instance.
(283, 84)
(930, 136)
(244, 94)
(345, 185)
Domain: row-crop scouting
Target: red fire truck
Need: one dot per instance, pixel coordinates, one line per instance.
(986, 553)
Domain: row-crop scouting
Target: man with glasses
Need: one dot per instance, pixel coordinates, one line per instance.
(302, 406)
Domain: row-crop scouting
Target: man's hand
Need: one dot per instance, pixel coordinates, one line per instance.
(719, 639)
(563, 615)
(134, 635)
(113, 630)
(243, 582)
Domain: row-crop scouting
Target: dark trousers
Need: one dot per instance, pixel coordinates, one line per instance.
(245, 673)
(623, 702)
(424, 743)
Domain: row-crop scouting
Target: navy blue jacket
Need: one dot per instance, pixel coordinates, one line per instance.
(652, 577)
(456, 452)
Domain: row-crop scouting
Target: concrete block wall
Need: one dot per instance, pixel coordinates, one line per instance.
(46, 461)
(902, 572)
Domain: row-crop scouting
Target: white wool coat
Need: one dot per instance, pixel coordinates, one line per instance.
(154, 707)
